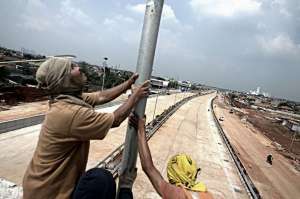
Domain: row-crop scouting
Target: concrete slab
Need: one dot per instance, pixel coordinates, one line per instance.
(192, 130)
(17, 147)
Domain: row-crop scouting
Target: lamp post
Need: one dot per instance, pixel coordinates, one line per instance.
(104, 65)
(144, 69)
(155, 105)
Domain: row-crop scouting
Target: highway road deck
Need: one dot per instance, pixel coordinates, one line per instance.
(17, 147)
(191, 130)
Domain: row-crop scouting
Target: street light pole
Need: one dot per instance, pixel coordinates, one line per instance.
(155, 105)
(103, 79)
(144, 69)
(104, 70)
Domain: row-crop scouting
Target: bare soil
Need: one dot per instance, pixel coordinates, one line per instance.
(253, 135)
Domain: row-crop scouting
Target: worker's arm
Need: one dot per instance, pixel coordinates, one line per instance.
(112, 93)
(145, 154)
(121, 113)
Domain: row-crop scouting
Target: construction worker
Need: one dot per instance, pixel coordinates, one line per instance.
(99, 183)
(182, 170)
(61, 153)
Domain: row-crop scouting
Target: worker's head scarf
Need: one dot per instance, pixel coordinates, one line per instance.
(55, 75)
(95, 184)
(182, 171)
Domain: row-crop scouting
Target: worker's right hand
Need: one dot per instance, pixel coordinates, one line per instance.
(136, 122)
(141, 91)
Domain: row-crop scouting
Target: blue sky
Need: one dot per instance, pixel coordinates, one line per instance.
(236, 44)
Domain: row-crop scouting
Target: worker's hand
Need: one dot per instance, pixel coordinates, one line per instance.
(141, 91)
(133, 120)
(136, 122)
(132, 79)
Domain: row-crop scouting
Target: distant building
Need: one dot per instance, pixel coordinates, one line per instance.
(258, 92)
(158, 82)
(185, 85)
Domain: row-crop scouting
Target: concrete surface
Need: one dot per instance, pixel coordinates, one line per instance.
(17, 147)
(192, 130)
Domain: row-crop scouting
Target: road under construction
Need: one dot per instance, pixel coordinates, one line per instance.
(231, 169)
(191, 129)
(231, 158)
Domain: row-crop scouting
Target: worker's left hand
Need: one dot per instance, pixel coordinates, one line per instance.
(136, 122)
(133, 78)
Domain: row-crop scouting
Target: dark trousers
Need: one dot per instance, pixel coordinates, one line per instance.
(99, 183)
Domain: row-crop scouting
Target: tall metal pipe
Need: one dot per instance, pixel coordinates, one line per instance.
(144, 68)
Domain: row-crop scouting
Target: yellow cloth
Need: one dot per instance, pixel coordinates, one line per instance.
(182, 171)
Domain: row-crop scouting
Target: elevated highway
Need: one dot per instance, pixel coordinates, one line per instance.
(191, 129)
(17, 147)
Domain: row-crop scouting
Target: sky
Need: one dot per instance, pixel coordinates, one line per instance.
(234, 44)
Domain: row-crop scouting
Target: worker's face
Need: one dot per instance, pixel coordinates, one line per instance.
(77, 77)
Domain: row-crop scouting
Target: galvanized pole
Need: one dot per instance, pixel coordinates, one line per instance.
(144, 69)
(155, 106)
(104, 65)
(103, 79)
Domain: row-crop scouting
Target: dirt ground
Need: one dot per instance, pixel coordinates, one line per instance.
(252, 143)
(275, 132)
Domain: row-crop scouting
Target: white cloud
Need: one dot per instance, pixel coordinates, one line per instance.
(225, 8)
(281, 44)
(34, 23)
(171, 31)
(118, 20)
(36, 3)
(281, 6)
(35, 16)
(70, 14)
(138, 8)
(38, 17)
(168, 13)
(261, 26)
(123, 27)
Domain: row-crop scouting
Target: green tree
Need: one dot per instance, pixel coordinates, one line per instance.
(173, 84)
(4, 72)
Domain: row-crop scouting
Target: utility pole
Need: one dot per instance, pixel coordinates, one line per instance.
(292, 142)
(155, 105)
(104, 65)
(144, 69)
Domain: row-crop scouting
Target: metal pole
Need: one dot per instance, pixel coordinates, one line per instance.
(103, 79)
(144, 69)
(155, 106)
(104, 65)
(292, 142)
